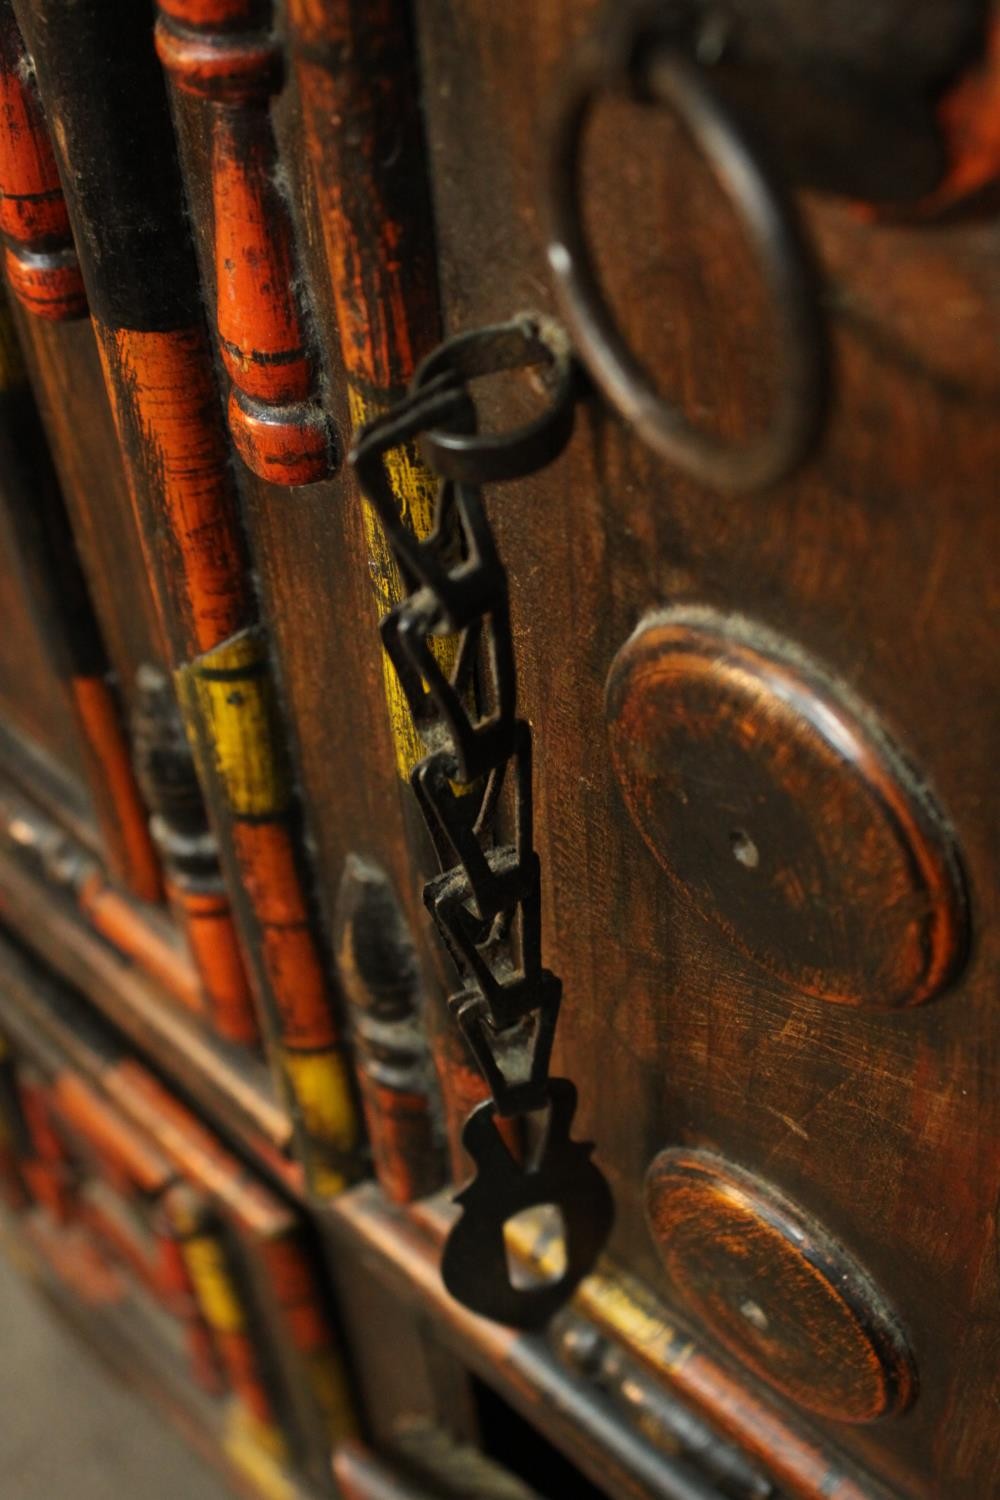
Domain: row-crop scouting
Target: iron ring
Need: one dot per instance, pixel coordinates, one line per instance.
(486, 458)
(670, 78)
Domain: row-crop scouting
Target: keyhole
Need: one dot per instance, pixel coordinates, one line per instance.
(745, 851)
(535, 1242)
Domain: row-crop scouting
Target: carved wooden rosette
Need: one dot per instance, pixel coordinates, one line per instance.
(227, 57)
(39, 258)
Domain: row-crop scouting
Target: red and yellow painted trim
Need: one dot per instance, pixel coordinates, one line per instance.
(166, 411)
(206, 918)
(222, 1307)
(277, 422)
(230, 703)
(40, 261)
(104, 736)
(110, 1137)
(298, 1294)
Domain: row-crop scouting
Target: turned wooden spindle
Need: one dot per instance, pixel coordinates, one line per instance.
(39, 257)
(105, 92)
(224, 54)
(299, 1297)
(42, 537)
(223, 1305)
(190, 854)
(377, 964)
(357, 62)
(179, 1296)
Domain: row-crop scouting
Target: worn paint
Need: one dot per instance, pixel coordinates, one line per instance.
(47, 283)
(230, 692)
(98, 717)
(41, 263)
(163, 397)
(260, 328)
(320, 1082)
(414, 489)
(229, 698)
(207, 920)
(278, 424)
(299, 1295)
(256, 1451)
(289, 445)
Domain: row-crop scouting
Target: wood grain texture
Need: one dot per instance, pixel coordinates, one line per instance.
(775, 1290)
(105, 91)
(783, 812)
(873, 561)
(869, 579)
(45, 577)
(566, 1404)
(40, 259)
(380, 979)
(66, 377)
(230, 1092)
(377, 300)
(277, 423)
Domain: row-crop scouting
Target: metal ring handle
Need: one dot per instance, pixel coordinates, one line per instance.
(671, 79)
(477, 458)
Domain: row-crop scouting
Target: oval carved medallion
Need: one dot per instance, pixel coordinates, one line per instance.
(784, 812)
(775, 1290)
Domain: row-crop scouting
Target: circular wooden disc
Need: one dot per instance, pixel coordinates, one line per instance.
(784, 813)
(775, 1290)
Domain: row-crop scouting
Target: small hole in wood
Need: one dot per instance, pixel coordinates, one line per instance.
(745, 851)
(755, 1314)
(535, 1242)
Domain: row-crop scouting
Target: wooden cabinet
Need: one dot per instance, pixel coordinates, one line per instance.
(752, 613)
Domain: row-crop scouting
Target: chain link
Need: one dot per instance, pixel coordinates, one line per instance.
(474, 786)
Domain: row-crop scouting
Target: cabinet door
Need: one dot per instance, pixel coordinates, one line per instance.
(763, 727)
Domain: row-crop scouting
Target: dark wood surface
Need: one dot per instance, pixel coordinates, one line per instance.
(230, 1087)
(877, 561)
(793, 808)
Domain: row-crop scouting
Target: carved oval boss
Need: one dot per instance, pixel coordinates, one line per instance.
(776, 1290)
(784, 812)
